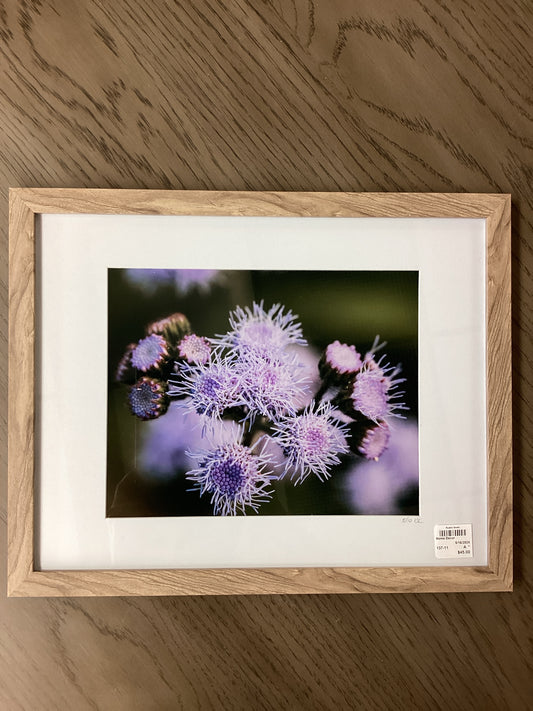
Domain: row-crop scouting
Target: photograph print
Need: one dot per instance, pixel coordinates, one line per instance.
(255, 392)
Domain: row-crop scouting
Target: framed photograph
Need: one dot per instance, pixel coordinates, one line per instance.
(258, 393)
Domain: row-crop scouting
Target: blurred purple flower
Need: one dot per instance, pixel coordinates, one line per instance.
(201, 279)
(375, 441)
(167, 441)
(125, 371)
(185, 280)
(305, 359)
(374, 487)
(148, 280)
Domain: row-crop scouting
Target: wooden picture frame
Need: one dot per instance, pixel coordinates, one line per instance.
(25, 579)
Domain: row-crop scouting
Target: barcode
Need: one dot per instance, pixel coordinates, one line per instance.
(453, 540)
(451, 532)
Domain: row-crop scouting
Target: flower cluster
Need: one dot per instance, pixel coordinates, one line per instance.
(254, 377)
(147, 365)
(366, 390)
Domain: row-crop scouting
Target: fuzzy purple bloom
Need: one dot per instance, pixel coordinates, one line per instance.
(375, 441)
(312, 441)
(212, 388)
(254, 330)
(373, 392)
(342, 359)
(194, 349)
(369, 395)
(149, 352)
(234, 477)
(273, 386)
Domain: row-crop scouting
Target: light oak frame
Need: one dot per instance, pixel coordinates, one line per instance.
(26, 204)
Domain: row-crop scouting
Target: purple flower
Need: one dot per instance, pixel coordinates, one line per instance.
(373, 392)
(375, 487)
(173, 328)
(148, 279)
(342, 359)
(272, 386)
(187, 280)
(125, 372)
(148, 398)
(234, 477)
(312, 441)
(167, 442)
(370, 395)
(212, 388)
(194, 349)
(305, 360)
(375, 441)
(262, 332)
(150, 352)
(184, 280)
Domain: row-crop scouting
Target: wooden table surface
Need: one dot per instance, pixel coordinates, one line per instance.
(422, 95)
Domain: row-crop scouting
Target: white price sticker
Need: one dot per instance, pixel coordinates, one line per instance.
(453, 540)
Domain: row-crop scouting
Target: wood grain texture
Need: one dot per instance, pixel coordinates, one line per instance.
(499, 395)
(26, 204)
(421, 95)
(270, 203)
(22, 377)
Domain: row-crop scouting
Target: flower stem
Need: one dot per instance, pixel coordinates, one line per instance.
(259, 424)
(322, 390)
